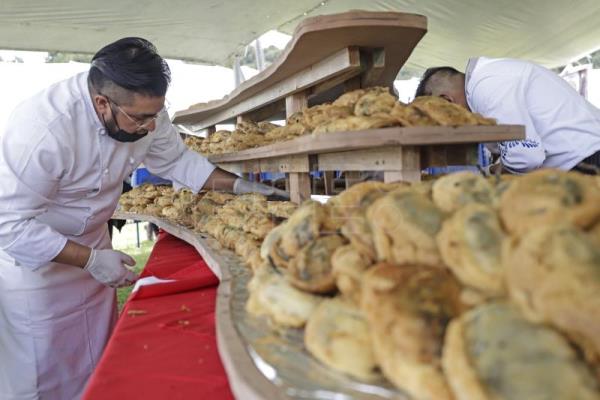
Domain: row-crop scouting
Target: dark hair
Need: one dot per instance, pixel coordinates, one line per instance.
(423, 89)
(133, 64)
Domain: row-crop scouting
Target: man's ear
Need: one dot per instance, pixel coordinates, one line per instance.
(101, 102)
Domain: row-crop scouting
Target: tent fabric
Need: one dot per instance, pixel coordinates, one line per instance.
(551, 32)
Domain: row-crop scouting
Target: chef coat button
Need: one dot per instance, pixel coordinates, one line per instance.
(105, 171)
(131, 160)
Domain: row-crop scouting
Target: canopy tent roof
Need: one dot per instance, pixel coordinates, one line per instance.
(550, 32)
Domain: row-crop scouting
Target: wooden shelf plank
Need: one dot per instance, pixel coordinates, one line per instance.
(395, 136)
(314, 40)
(345, 62)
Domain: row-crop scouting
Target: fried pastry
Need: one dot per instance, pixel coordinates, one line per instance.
(553, 275)
(287, 132)
(349, 208)
(218, 197)
(357, 197)
(357, 230)
(470, 243)
(304, 226)
(125, 207)
(136, 209)
(249, 202)
(281, 209)
(348, 266)
(272, 296)
(258, 224)
(153, 209)
(408, 308)
(337, 334)
(493, 353)
(246, 246)
(446, 113)
(141, 201)
(374, 103)
(350, 99)
(453, 191)
(354, 123)
(170, 213)
(547, 197)
(410, 116)
(310, 269)
(266, 126)
(404, 225)
(324, 113)
(295, 118)
(164, 200)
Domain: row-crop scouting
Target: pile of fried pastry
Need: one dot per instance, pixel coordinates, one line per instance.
(360, 109)
(239, 223)
(463, 287)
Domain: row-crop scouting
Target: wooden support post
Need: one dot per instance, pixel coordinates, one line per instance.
(375, 68)
(410, 170)
(328, 182)
(210, 130)
(353, 84)
(299, 182)
(299, 186)
(241, 118)
(295, 102)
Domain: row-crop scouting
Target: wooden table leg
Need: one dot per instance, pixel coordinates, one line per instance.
(299, 182)
(299, 186)
(328, 181)
(410, 166)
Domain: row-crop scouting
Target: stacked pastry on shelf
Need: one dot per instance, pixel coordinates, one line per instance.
(458, 288)
(246, 135)
(356, 110)
(239, 223)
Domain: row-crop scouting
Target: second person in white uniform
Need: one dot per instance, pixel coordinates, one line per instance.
(562, 128)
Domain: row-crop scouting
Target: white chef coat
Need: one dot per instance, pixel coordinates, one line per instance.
(60, 178)
(562, 128)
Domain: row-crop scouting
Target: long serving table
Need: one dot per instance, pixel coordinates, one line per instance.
(164, 345)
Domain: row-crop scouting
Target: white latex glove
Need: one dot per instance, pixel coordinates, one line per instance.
(241, 186)
(107, 267)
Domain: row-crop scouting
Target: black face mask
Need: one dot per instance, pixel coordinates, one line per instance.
(121, 135)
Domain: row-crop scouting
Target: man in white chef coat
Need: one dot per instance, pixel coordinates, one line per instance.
(562, 128)
(63, 158)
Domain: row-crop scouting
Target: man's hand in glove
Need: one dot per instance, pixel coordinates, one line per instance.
(241, 186)
(108, 267)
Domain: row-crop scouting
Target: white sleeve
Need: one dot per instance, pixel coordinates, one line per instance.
(30, 172)
(504, 99)
(169, 158)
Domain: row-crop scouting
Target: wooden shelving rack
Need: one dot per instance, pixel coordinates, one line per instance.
(327, 56)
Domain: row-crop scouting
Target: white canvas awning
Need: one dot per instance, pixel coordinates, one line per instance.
(550, 32)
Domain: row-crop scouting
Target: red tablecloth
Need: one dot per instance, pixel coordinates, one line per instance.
(164, 345)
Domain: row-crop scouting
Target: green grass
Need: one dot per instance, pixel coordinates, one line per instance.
(140, 255)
